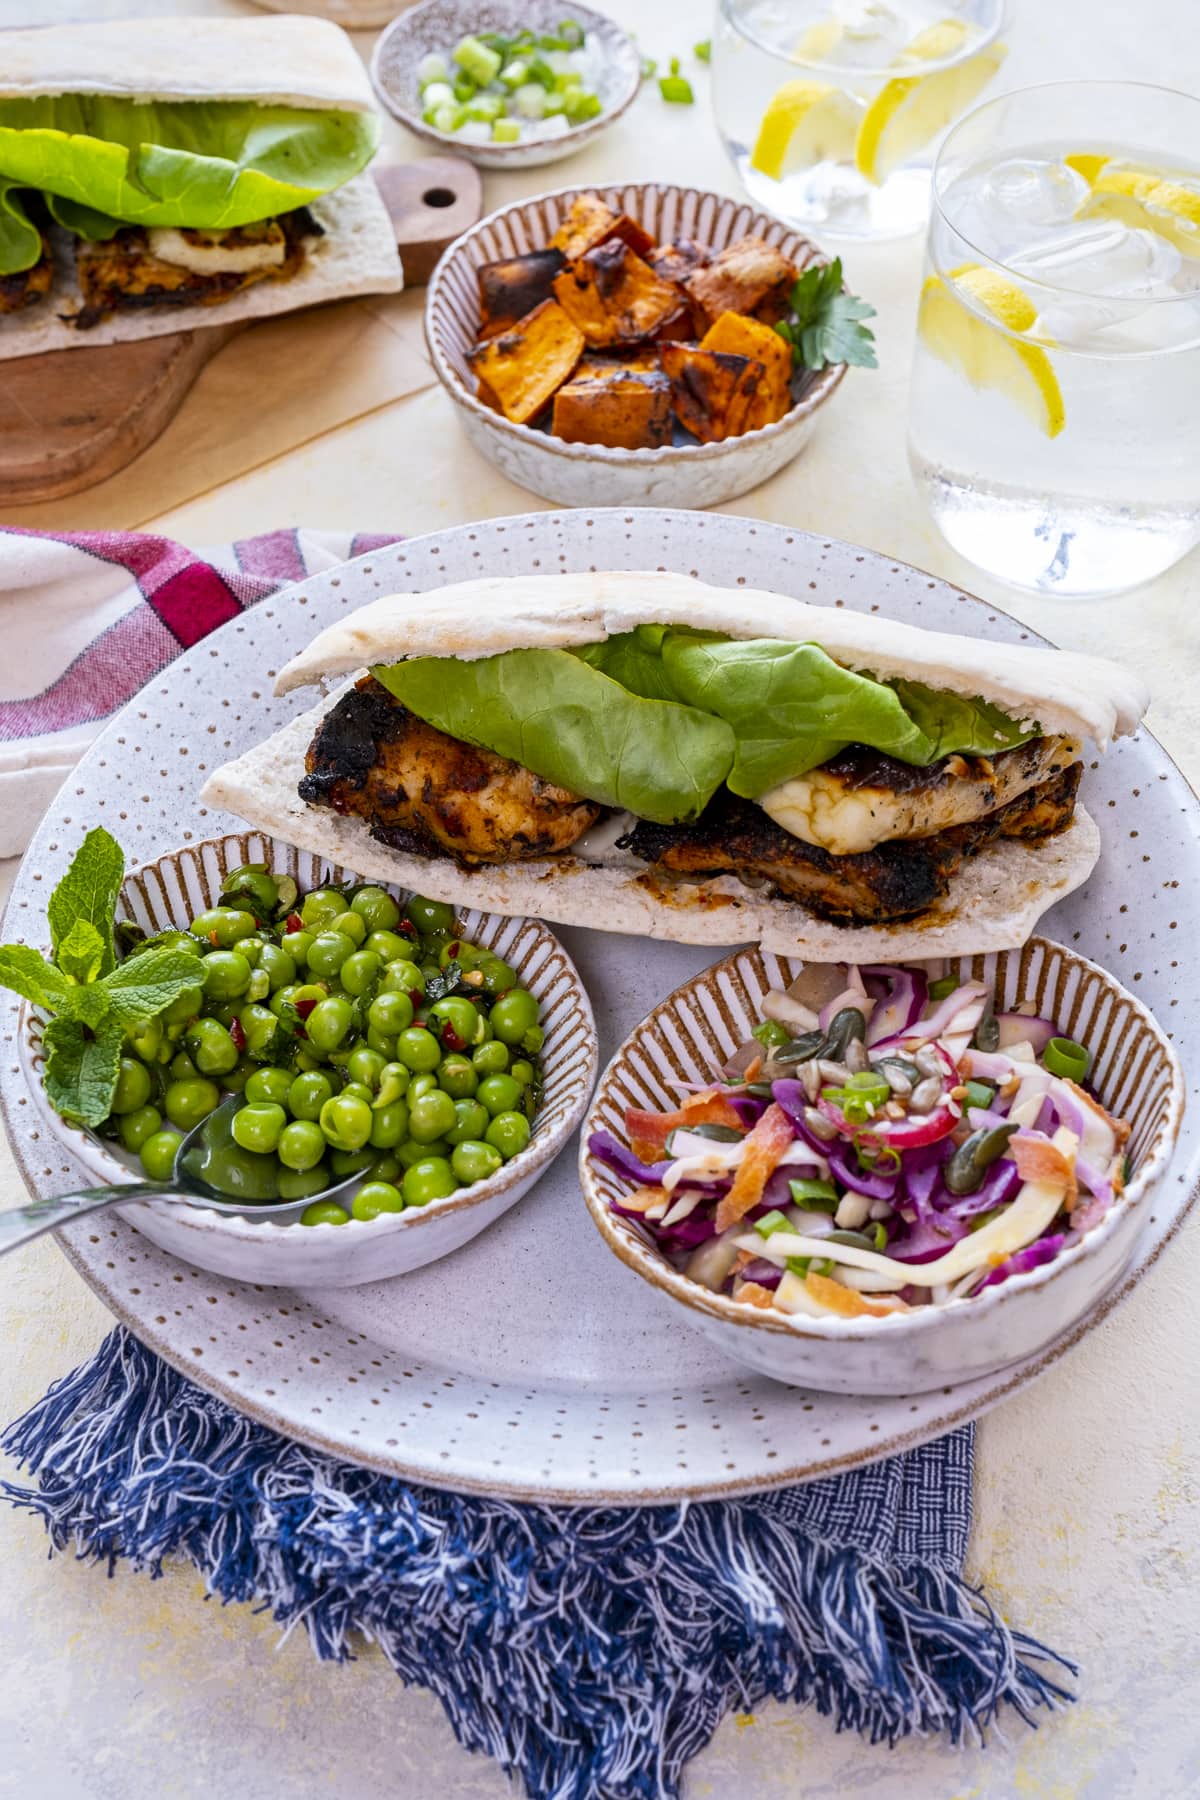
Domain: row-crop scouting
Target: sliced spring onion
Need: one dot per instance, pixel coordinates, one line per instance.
(703, 50)
(979, 1093)
(677, 90)
(943, 987)
(772, 1221)
(819, 1196)
(1066, 1058)
(770, 1034)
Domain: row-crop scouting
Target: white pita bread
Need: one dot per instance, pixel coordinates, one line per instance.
(994, 903)
(357, 255)
(1080, 696)
(285, 61)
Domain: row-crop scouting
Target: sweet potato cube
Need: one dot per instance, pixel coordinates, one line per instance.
(740, 336)
(592, 221)
(627, 410)
(642, 359)
(750, 276)
(524, 367)
(509, 290)
(711, 391)
(675, 262)
(614, 297)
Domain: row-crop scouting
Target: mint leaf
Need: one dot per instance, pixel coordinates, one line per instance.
(81, 1069)
(144, 985)
(826, 323)
(81, 952)
(26, 972)
(89, 891)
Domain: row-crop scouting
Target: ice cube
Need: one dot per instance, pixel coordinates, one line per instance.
(1103, 258)
(1032, 191)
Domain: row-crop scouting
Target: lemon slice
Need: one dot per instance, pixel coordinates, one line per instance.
(987, 357)
(1146, 199)
(909, 111)
(806, 122)
(1087, 165)
(818, 43)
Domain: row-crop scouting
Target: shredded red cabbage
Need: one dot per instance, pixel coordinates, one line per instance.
(876, 1186)
(1042, 1250)
(902, 996)
(620, 1159)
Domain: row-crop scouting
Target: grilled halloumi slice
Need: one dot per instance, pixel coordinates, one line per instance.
(862, 799)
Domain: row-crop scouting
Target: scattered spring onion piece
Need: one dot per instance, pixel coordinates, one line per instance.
(771, 1034)
(703, 50)
(979, 1093)
(816, 1196)
(677, 90)
(943, 987)
(881, 1237)
(649, 68)
(770, 1223)
(1063, 1056)
(500, 89)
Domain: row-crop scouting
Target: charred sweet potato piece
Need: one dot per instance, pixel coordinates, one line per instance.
(614, 297)
(711, 391)
(642, 358)
(629, 410)
(750, 276)
(675, 262)
(523, 367)
(592, 221)
(511, 289)
(739, 336)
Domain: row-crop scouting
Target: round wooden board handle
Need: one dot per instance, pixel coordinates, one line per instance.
(72, 418)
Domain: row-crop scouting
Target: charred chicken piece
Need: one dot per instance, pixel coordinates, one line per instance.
(28, 286)
(425, 792)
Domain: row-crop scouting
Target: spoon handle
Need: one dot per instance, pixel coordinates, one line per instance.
(23, 1223)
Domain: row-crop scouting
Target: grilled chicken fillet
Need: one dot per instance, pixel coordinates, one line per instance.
(141, 267)
(425, 792)
(28, 286)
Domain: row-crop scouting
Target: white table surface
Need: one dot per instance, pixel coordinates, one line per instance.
(1088, 1514)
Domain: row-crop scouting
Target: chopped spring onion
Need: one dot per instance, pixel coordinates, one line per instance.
(772, 1221)
(771, 1034)
(943, 987)
(803, 1265)
(980, 1093)
(817, 1196)
(677, 90)
(493, 88)
(703, 50)
(881, 1236)
(1063, 1056)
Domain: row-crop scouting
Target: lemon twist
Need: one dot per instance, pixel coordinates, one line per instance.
(989, 357)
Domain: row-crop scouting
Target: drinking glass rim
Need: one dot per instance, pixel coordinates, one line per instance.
(998, 262)
(839, 71)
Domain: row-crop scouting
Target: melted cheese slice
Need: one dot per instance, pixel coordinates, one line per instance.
(209, 256)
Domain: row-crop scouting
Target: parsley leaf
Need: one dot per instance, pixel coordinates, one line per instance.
(88, 891)
(81, 1068)
(825, 325)
(145, 985)
(27, 973)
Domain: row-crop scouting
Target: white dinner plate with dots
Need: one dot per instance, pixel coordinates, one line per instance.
(532, 1363)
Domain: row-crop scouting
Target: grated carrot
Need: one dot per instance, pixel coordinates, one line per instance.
(766, 1144)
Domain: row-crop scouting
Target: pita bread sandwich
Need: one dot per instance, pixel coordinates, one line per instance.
(644, 753)
(154, 169)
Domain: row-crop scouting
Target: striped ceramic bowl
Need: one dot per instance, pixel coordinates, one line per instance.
(689, 475)
(170, 892)
(1135, 1074)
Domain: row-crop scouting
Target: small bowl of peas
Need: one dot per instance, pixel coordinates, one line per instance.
(445, 1058)
(505, 83)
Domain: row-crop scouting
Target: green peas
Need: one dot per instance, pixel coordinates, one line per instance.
(522, 1072)
(328, 1023)
(458, 1022)
(376, 908)
(513, 1015)
(430, 1179)
(387, 1168)
(352, 1162)
(470, 1122)
(235, 1081)
(351, 925)
(255, 887)
(148, 1041)
(508, 1133)
(430, 1116)
(346, 1121)
(410, 1152)
(389, 1125)
(308, 1094)
(137, 1126)
(298, 1184)
(360, 971)
(187, 1102)
(259, 1127)
(498, 976)
(403, 977)
(393, 1084)
(283, 997)
(251, 948)
(226, 975)
(321, 907)
(499, 1093)
(133, 1087)
(301, 1145)
(297, 945)
(390, 1013)
(532, 1040)
(327, 953)
(418, 1049)
(278, 966)
(259, 1025)
(212, 1049)
(475, 1161)
(366, 1066)
(491, 1058)
(421, 1084)
(187, 1005)
(268, 1086)
(224, 925)
(358, 1090)
(379, 1040)
(158, 1155)
(389, 946)
(181, 1067)
(375, 1197)
(457, 1077)
(429, 916)
(324, 1212)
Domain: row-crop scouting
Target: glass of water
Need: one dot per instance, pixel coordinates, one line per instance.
(830, 110)
(1054, 425)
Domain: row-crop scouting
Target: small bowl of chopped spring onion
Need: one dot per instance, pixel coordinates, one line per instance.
(507, 86)
(885, 1180)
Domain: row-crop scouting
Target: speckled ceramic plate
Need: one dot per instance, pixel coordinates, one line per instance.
(530, 1363)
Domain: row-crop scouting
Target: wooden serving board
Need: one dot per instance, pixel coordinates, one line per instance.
(72, 418)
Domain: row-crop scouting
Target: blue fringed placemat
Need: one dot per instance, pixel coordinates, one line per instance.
(593, 1651)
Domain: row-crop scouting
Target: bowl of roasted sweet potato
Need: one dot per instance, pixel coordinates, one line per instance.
(634, 345)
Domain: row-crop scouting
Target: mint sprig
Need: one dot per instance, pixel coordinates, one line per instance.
(825, 324)
(94, 1002)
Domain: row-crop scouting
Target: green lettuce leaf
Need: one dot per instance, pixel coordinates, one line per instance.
(635, 659)
(20, 240)
(81, 1068)
(555, 714)
(201, 163)
(972, 727)
(88, 892)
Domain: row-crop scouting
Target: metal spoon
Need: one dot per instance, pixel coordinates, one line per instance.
(188, 1188)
